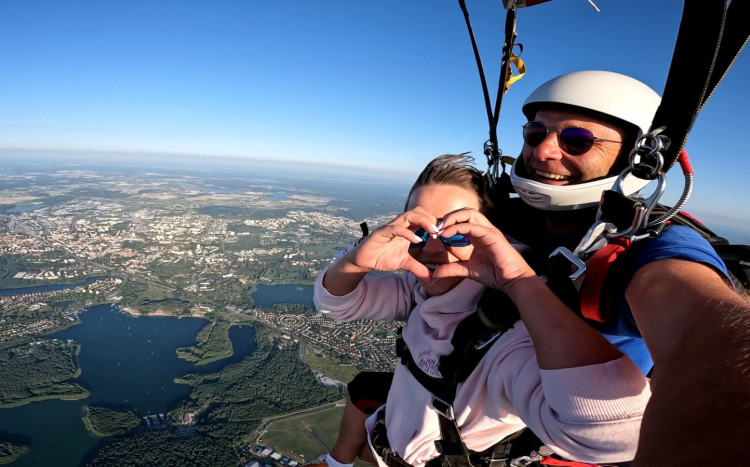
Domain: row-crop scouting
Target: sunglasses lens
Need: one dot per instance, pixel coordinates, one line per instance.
(576, 141)
(421, 233)
(534, 133)
(457, 240)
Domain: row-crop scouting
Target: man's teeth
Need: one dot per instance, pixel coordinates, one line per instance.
(551, 175)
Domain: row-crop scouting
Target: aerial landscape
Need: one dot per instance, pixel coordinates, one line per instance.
(104, 258)
(175, 175)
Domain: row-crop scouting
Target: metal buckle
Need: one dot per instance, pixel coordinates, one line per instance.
(595, 238)
(578, 264)
(443, 408)
(492, 338)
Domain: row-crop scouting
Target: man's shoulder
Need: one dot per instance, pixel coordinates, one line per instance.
(679, 242)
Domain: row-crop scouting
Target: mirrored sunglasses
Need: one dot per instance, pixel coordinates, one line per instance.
(455, 241)
(574, 140)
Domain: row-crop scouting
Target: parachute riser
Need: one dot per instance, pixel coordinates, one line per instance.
(494, 155)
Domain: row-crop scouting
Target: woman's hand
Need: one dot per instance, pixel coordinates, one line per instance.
(385, 249)
(494, 262)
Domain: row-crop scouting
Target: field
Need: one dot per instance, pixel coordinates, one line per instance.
(327, 365)
(305, 436)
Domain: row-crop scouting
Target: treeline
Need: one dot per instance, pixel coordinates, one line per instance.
(131, 291)
(10, 265)
(39, 371)
(294, 308)
(162, 447)
(10, 451)
(228, 406)
(272, 380)
(213, 344)
(101, 421)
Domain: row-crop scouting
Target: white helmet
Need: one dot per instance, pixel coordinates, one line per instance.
(598, 92)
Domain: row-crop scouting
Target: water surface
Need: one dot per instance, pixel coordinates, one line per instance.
(128, 362)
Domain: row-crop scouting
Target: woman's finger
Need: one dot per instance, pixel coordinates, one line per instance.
(465, 215)
(415, 218)
(419, 270)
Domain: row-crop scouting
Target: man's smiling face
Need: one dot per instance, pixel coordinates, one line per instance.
(548, 163)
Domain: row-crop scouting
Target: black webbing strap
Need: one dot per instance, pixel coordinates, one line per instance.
(475, 334)
(451, 446)
(492, 151)
(443, 388)
(707, 44)
(492, 117)
(471, 340)
(522, 443)
(382, 446)
(735, 37)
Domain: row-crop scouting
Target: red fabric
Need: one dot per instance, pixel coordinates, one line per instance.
(596, 272)
(551, 461)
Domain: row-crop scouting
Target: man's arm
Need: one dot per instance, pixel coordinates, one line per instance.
(698, 332)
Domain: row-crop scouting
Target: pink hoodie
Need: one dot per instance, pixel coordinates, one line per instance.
(589, 414)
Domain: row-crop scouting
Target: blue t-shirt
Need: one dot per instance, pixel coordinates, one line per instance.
(678, 242)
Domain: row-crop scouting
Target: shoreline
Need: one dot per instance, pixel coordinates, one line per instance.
(136, 313)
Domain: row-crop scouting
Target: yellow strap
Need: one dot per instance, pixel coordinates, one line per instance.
(520, 66)
(508, 159)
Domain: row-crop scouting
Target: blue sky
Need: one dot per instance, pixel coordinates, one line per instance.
(384, 85)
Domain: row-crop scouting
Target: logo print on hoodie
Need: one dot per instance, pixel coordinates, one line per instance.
(428, 362)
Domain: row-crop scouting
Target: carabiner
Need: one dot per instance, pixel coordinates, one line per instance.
(644, 207)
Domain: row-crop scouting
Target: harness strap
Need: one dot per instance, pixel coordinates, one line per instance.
(596, 274)
(451, 446)
(454, 452)
(691, 67)
(471, 340)
(440, 387)
(491, 147)
(733, 40)
(707, 44)
(382, 446)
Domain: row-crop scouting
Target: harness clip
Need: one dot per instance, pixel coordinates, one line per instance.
(443, 408)
(644, 207)
(492, 338)
(578, 267)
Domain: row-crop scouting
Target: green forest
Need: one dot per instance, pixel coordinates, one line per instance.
(39, 370)
(228, 406)
(101, 421)
(162, 447)
(213, 344)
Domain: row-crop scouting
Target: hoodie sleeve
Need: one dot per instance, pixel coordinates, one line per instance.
(589, 414)
(386, 297)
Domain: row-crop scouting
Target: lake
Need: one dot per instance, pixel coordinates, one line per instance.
(269, 295)
(125, 361)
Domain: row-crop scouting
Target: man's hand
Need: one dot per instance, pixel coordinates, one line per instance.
(494, 261)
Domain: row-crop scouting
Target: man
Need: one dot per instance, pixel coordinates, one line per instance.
(673, 303)
(676, 294)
